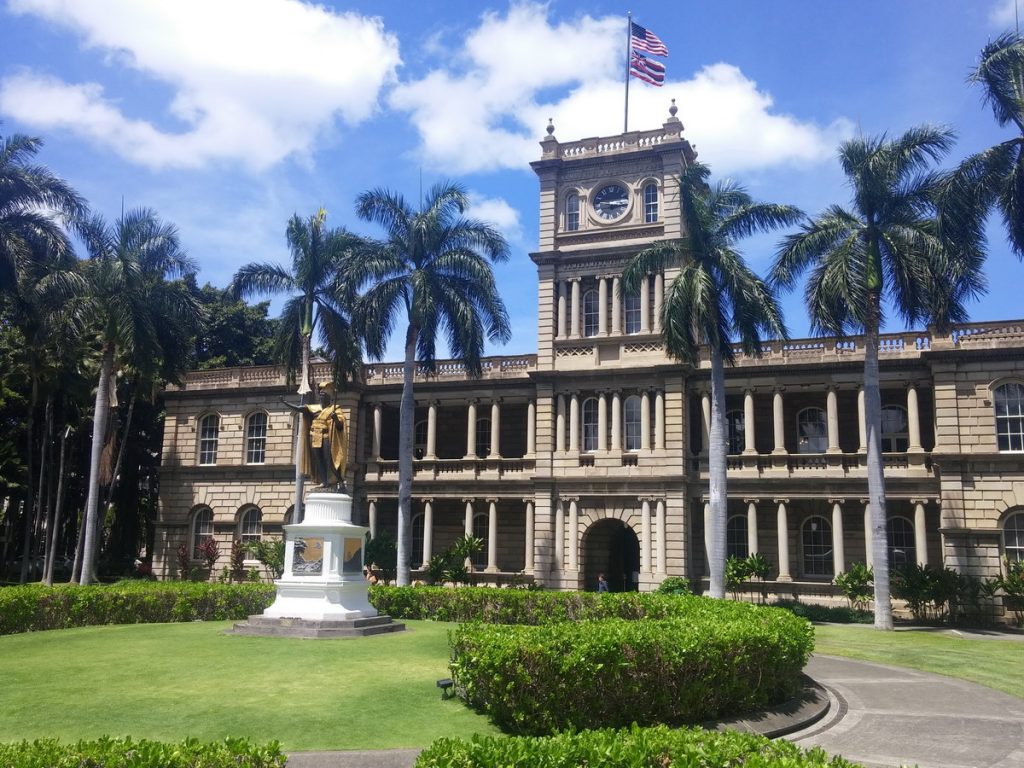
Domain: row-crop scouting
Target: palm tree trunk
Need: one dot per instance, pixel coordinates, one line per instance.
(717, 495)
(38, 525)
(58, 509)
(108, 503)
(305, 391)
(876, 477)
(405, 444)
(99, 423)
(29, 508)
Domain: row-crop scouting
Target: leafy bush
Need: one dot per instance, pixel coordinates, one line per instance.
(737, 571)
(834, 614)
(126, 753)
(35, 607)
(706, 664)
(381, 555)
(635, 746)
(271, 554)
(674, 585)
(857, 585)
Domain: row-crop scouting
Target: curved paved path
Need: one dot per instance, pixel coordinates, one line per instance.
(882, 716)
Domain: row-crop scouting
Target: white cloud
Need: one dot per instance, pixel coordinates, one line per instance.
(1003, 14)
(253, 82)
(497, 212)
(489, 108)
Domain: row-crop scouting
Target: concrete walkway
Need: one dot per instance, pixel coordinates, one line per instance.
(880, 716)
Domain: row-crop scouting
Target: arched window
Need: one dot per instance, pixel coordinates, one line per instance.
(572, 212)
(202, 529)
(483, 438)
(736, 537)
(591, 313)
(811, 430)
(735, 426)
(631, 311)
(1013, 537)
(419, 439)
(632, 411)
(902, 547)
(209, 434)
(651, 203)
(894, 429)
(479, 559)
(590, 424)
(250, 525)
(816, 537)
(418, 523)
(256, 438)
(1009, 402)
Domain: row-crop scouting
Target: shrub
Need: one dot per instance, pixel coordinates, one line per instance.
(126, 753)
(36, 607)
(635, 746)
(830, 613)
(271, 554)
(709, 662)
(674, 585)
(381, 555)
(856, 584)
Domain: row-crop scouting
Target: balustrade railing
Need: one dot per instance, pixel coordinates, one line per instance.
(456, 469)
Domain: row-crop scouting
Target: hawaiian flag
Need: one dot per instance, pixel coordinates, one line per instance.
(644, 40)
(648, 70)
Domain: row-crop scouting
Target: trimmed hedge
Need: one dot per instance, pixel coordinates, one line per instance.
(835, 614)
(36, 607)
(126, 753)
(712, 663)
(635, 746)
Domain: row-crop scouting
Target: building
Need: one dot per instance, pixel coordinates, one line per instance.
(591, 455)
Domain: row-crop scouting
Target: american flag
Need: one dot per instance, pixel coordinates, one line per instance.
(648, 70)
(645, 40)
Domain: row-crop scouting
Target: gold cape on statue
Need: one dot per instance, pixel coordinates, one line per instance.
(327, 424)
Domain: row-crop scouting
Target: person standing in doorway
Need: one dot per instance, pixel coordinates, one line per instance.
(602, 583)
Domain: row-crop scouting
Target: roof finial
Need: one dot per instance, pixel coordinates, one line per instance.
(673, 109)
(551, 127)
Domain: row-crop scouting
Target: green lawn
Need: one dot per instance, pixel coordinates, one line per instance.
(997, 664)
(169, 681)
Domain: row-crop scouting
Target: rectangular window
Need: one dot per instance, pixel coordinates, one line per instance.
(650, 203)
(631, 310)
(256, 439)
(209, 430)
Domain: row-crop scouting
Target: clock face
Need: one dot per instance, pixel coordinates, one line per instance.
(611, 201)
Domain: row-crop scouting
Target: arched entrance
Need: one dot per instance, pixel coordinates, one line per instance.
(611, 547)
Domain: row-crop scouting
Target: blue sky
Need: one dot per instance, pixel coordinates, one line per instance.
(227, 116)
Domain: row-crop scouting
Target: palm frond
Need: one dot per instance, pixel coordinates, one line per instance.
(260, 280)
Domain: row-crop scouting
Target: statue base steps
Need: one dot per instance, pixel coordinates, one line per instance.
(315, 629)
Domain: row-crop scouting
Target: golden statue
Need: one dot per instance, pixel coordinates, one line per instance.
(326, 446)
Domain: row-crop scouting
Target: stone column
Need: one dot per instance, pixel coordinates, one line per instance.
(832, 419)
(782, 528)
(574, 317)
(645, 306)
(495, 430)
(659, 293)
(531, 428)
(660, 538)
(558, 562)
(574, 534)
(778, 424)
(616, 308)
(862, 423)
(645, 534)
(748, 423)
(377, 420)
(431, 430)
(562, 310)
(602, 422)
(574, 422)
(707, 538)
(752, 537)
(659, 420)
(468, 527)
(528, 565)
(913, 421)
(492, 536)
(645, 421)
(371, 511)
(602, 306)
(471, 430)
(705, 414)
(428, 530)
(838, 538)
(920, 533)
(560, 424)
(616, 422)
(869, 538)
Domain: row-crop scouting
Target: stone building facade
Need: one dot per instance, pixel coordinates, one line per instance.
(591, 455)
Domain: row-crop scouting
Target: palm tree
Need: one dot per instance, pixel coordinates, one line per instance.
(33, 204)
(713, 300)
(133, 302)
(319, 301)
(994, 177)
(886, 247)
(431, 270)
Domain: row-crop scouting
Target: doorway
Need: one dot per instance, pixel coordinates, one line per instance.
(611, 547)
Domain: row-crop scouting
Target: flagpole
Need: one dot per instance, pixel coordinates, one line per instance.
(629, 28)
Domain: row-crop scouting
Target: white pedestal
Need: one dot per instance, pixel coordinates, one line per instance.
(323, 565)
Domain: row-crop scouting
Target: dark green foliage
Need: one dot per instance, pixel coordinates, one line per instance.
(129, 753)
(635, 747)
(270, 553)
(703, 664)
(833, 614)
(35, 607)
(381, 554)
(855, 584)
(237, 560)
(450, 565)
(928, 591)
(737, 571)
(674, 585)
(236, 333)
